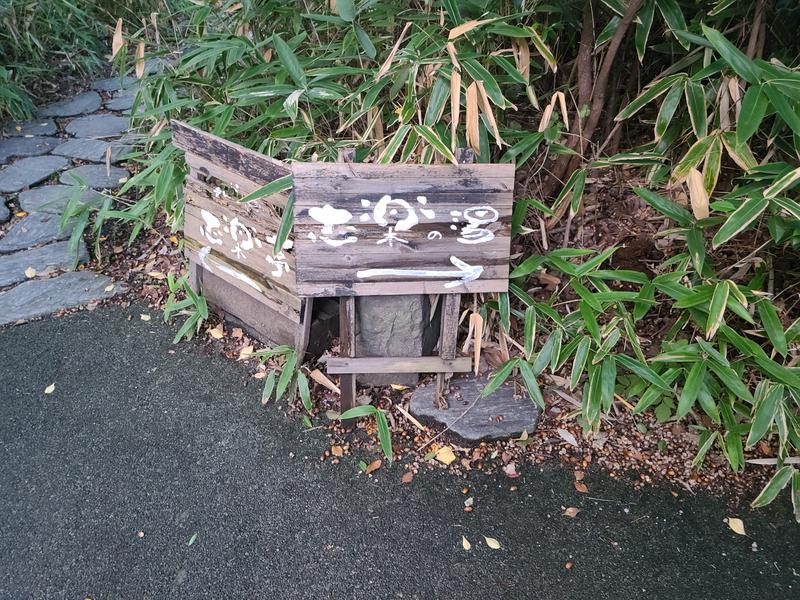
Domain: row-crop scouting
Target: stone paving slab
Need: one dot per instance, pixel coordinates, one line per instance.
(502, 414)
(91, 149)
(122, 101)
(40, 297)
(44, 260)
(79, 105)
(96, 176)
(29, 171)
(29, 128)
(98, 126)
(21, 146)
(33, 230)
(53, 198)
(112, 84)
(5, 214)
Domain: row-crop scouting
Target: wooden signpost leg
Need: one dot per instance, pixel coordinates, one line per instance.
(451, 305)
(347, 343)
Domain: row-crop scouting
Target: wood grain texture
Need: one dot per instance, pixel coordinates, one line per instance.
(401, 229)
(347, 348)
(419, 364)
(448, 338)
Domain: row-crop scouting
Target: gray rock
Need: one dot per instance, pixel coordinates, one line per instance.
(112, 84)
(501, 414)
(41, 297)
(33, 230)
(391, 326)
(29, 128)
(26, 146)
(97, 126)
(53, 198)
(94, 150)
(96, 176)
(5, 214)
(79, 105)
(122, 101)
(45, 260)
(29, 171)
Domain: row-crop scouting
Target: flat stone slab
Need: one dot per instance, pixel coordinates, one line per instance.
(29, 171)
(5, 214)
(97, 126)
(503, 414)
(123, 100)
(33, 230)
(79, 105)
(53, 198)
(40, 297)
(96, 176)
(93, 150)
(29, 128)
(44, 260)
(112, 84)
(21, 146)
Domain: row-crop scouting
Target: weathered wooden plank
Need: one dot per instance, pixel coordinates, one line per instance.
(251, 165)
(448, 338)
(304, 331)
(472, 174)
(347, 348)
(420, 364)
(404, 287)
(242, 185)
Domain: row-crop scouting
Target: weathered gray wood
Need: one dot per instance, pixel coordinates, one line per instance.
(304, 331)
(366, 229)
(448, 338)
(418, 364)
(347, 348)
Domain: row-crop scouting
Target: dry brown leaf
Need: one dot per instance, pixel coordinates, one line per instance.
(579, 475)
(237, 333)
(411, 418)
(157, 275)
(140, 60)
(373, 466)
(109, 287)
(698, 197)
(492, 543)
(571, 512)
(245, 352)
(445, 455)
(455, 105)
(465, 28)
(486, 108)
(567, 437)
(144, 317)
(581, 487)
(30, 272)
(50, 388)
(465, 544)
(562, 101)
(407, 477)
(736, 524)
(522, 56)
(545, 120)
(387, 64)
(476, 325)
(323, 380)
(216, 332)
(259, 375)
(511, 470)
(116, 42)
(337, 451)
(451, 50)
(473, 134)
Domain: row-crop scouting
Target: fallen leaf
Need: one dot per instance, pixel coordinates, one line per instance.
(465, 544)
(399, 388)
(337, 451)
(30, 272)
(511, 470)
(50, 388)
(323, 380)
(144, 317)
(567, 437)
(492, 543)
(109, 287)
(20, 214)
(237, 333)
(410, 417)
(445, 455)
(571, 512)
(259, 375)
(157, 275)
(407, 477)
(373, 466)
(216, 332)
(193, 539)
(469, 501)
(245, 352)
(736, 524)
(332, 415)
(579, 475)
(581, 487)
(174, 239)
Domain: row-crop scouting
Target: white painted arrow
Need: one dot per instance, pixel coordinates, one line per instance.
(464, 274)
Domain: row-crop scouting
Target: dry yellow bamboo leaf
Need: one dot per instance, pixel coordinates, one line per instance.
(464, 28)
(154, 21)
(698, 197)
(455, 106)
(140, 60)
(545, 121)
(411, 418)
(117, 42)
(473, 135)
(451, 50)
(562, 100)
(476, 324)
(735, 93)
(486, 107)
(387, 64)
(323, 380)
(724, 108)
(522, 57)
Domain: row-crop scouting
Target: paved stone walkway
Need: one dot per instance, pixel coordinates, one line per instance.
(42, 162)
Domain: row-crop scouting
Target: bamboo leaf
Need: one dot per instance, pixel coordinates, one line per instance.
(691, 388)
(273, 187)
(499, 377)
(772, 325)
(748, 211)
(779, 481)
(579, 363)
(530, 383)
(650, 93)
(435, 142)
(289, 60)
(696, 102)
(666, 207)
(716, 310)
(754, 107)
(744, 67)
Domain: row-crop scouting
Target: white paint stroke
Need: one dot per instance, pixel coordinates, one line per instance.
(464, 273)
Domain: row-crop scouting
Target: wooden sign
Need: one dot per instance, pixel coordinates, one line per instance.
(366, 229)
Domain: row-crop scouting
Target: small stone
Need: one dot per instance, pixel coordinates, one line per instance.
(30, 128)
(112, 84)
(122, 101)
(53, 198)
(42, 261)
(33, 230)
(79, 105)
(93, 150)
(95, 176)
(39, 297)
(26, 146)
(29, 171)
(97, 126)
